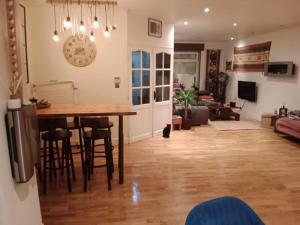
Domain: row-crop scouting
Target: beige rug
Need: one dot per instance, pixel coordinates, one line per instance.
(235, 125)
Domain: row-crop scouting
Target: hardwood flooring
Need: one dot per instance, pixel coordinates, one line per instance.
(165, 178)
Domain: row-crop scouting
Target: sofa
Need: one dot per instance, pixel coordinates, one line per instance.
(198, 114)
(288, 126)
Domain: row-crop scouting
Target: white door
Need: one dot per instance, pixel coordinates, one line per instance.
(163, 80)
(150, 91)
(140, 74)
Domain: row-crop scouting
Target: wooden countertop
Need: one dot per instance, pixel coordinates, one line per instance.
(86, 110)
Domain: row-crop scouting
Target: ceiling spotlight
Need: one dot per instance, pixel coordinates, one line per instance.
(185, 22)
(206, 10)
(232, 38)
(235, 24)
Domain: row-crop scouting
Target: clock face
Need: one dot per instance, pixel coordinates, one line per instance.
(79, 50)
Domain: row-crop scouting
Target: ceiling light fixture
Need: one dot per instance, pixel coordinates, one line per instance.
(55, 36)
(67, 22)
(235, 24)
(207, 10)
(92, 37)
(95, 22)
(232, 38)
(81, 27)
(106, 32)
(185, 22)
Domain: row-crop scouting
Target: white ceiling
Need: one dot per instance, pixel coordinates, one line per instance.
(253, 16)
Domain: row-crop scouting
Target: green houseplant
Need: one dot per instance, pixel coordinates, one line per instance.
(186, 97)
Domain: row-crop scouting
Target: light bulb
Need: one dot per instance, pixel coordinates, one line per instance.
(96, 22)
(55, 36)
(82, 27)
(106, 32)
(92, 37)
(67, 23)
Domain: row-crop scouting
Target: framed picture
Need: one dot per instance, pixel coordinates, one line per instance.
(154, 28)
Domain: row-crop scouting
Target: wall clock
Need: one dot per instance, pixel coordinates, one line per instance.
(79, 50)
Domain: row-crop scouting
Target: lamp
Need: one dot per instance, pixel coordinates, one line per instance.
(92, 37)
(95, 22)
(106, 32)
(81, 27)
(55, 36)
(67, 21)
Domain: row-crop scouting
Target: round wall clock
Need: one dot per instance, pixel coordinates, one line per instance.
(79, 50)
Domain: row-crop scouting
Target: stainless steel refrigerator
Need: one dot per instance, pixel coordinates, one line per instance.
(23, 141)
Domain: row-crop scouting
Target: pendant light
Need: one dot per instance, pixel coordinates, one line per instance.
(67, 21)
(95, 22)
(114, 26)
(81, 27)
(106, 32)
(55, 35)
(92, 37)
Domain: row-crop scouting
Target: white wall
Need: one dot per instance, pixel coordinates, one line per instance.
(272, 91)
(19, 203)
(138, 33)
(95, 82)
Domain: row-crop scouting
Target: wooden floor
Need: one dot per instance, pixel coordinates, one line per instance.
(165, 178)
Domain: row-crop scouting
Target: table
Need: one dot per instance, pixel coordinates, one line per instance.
(72, 110)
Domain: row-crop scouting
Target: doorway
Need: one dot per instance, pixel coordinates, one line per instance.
(150, 76)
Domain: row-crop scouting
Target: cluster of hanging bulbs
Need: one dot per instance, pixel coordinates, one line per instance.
(68, 23)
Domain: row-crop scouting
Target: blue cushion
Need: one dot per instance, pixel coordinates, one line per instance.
(223, 211)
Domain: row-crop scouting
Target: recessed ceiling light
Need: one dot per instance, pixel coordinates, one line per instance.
(185, 22)
(235, 24)
(206, 10)
(232, 38)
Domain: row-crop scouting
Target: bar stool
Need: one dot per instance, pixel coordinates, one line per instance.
(96, 128)
(57, 131)
(75, 125)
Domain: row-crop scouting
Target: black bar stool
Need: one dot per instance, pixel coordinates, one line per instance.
(96, 128)
(72, 126)
(56, 130)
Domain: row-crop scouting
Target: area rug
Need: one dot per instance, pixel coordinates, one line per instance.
(235, 125)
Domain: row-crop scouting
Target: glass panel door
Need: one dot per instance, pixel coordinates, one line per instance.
(140, 72)
(162, 77)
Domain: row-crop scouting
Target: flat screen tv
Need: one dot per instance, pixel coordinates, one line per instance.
(247, 90)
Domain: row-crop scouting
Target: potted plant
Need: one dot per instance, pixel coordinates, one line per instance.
(186, 97)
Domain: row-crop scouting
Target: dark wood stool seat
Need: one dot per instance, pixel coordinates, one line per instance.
(58, 135)
(97, 134)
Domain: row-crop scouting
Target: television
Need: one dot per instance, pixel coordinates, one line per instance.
(247, 90)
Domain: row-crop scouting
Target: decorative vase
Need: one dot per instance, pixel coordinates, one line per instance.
(14, 103)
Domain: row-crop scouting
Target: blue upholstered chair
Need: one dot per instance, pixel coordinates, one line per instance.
(223, 211)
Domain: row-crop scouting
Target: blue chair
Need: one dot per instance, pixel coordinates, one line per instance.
(223, 211)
